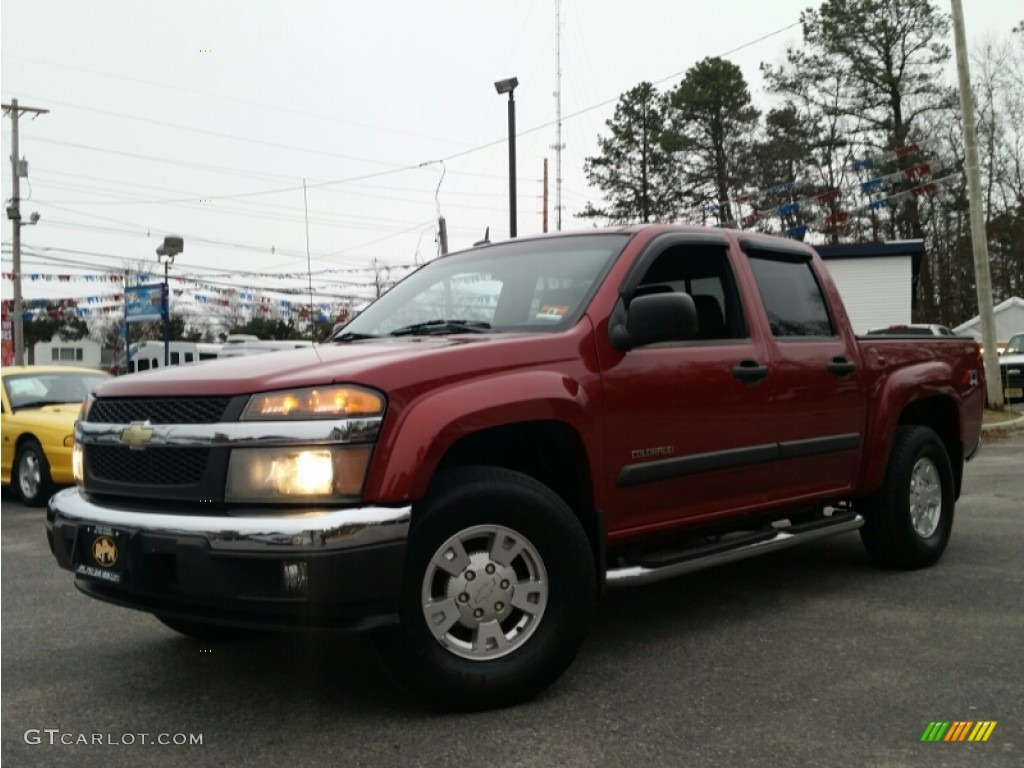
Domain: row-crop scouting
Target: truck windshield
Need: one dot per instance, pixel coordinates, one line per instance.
(522, 285)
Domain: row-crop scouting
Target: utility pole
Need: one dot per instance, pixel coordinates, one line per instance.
(14, 214)
(545, 220)
(979, 238)
(442, 234)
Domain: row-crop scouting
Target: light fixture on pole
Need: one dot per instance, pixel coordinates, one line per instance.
(509, 86)
(165, 255)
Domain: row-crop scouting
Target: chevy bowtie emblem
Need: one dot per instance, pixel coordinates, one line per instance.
(137, 435)
(104, 551)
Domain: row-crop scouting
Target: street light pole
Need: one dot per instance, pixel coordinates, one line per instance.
(509, 86)
(165, 254)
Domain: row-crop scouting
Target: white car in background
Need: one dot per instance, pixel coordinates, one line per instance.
(1011, 369)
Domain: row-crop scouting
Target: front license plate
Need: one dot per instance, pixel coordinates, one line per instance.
(101, 553)
(1013, 392)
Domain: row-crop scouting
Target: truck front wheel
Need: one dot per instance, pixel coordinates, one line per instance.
(908, 521)
(499, 590)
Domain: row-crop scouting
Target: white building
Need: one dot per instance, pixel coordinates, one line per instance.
(1009, 316)
(84, 353)
(876, 280)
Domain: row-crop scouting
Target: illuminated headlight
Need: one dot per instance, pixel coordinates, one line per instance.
(321, 473)
(314, 403)
(77, 463)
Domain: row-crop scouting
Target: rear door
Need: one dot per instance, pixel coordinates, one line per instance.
(817, 381)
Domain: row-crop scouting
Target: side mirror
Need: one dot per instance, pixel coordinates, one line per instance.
(655, 318)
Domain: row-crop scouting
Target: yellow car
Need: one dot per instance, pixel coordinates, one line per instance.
(40, 405)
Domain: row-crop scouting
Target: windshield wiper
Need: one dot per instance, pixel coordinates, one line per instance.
(352, 336)
(441, 326)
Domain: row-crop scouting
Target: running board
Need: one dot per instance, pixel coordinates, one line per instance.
(634, 575)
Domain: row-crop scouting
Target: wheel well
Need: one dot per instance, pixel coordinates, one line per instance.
(550, 452)
(940, 414)
(22, 439)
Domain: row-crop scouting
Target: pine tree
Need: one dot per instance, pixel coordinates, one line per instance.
(713, 119)
(635, 169)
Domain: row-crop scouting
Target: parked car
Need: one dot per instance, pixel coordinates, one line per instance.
(1015, 346)
(508, 431)
(1011, 369)
(912, 329)
(40, 405)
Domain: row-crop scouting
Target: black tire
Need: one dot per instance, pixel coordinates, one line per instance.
(31, 474)
(208, 633)
(511, 629)
(908, 521)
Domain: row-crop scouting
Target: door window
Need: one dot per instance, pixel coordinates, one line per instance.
(792, 297)
(703, 272)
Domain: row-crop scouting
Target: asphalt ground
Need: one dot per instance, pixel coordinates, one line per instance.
(806, 657)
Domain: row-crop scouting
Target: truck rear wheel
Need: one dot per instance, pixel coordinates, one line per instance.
(908, 521)
(498, 593)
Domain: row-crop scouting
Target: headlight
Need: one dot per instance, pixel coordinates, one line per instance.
(77, 464)
(316, 473)
(314, 403)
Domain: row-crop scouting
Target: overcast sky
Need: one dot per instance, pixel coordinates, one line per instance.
(202, 118)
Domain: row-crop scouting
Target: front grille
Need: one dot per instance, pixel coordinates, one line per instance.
(155, 466)
(159, 410)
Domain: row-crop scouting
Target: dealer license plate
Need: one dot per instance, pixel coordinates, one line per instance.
(101, 553)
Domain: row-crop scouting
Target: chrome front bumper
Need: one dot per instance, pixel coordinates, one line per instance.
(257, 533)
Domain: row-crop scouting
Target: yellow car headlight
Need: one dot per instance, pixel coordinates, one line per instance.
(314, 473)
(330, 402)
(77, 464)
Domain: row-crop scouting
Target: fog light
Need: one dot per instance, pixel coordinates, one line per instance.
(294, 577)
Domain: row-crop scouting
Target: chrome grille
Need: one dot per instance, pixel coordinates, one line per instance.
(159, 410)
(179, 466)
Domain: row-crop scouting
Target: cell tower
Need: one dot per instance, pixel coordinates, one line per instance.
(558, 146)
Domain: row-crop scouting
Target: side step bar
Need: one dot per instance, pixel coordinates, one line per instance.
(634, 575)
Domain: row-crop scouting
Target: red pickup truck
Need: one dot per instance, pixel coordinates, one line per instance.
(510, 430)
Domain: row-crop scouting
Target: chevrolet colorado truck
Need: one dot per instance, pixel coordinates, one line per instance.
(510, 430)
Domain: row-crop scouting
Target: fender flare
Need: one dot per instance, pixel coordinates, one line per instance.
(429, 426)
(895, 394)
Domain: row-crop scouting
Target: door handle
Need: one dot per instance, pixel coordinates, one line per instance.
(750, 371)
(841, 367)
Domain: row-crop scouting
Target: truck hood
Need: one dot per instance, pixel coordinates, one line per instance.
(385, 364)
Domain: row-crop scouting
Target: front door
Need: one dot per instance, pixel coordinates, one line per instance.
(690, 431)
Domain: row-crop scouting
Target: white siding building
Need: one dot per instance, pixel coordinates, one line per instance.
(84, 353)
(876, 280)
(1009, 316)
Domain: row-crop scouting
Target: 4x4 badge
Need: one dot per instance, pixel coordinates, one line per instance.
(137, 435)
